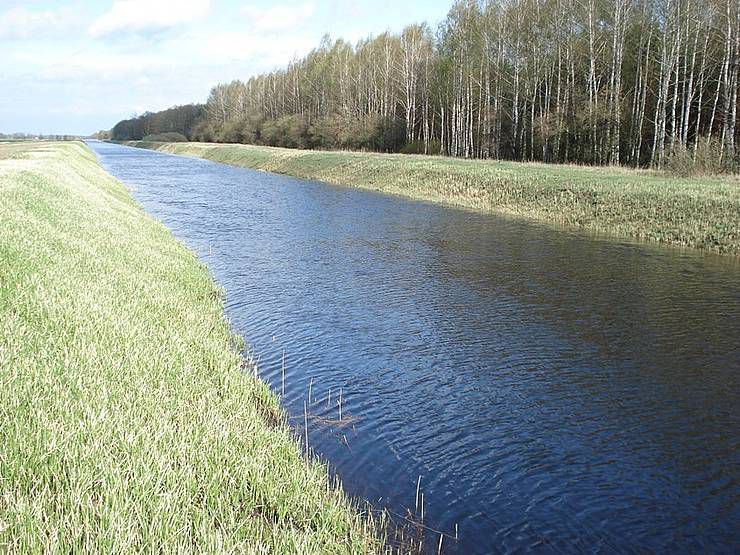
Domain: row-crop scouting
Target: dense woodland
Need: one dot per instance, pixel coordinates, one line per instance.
(634, 82)
(178, 119)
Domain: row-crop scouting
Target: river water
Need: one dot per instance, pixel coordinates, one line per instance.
(551, 390)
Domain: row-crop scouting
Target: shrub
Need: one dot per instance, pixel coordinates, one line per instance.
(271, 133)
(390, 135)
(680, 162)
(417, 147)
(234, 131)
(707, 160)
(414, 147)
(203, 132)
(296, 132)
(324, 132)
(288, 132)
(171, 137)
(372, 133)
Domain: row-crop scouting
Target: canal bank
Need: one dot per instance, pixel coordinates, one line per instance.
(553, 390)
(128, 419)
(700, 212)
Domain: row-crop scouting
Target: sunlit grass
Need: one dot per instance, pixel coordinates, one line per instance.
(694, 212)
(128, 422)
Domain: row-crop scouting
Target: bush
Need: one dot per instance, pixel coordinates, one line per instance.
(417, 147)
(234, 131)
(329, 132)
(272, 133)
(287, 132)
(297, 133)
(707, 160)
(324, 132)
(244, 130)
(680, 162)
(166, 138)
(203, 132)
(372, 133)
(390, 135)
(357, 134)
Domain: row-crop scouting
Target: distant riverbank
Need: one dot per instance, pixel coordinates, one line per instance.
(128, 419)
(699, 212)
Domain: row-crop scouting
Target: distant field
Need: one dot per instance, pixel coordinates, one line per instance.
(702, 212)
(129, 422)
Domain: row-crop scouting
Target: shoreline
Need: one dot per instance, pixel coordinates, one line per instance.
(699, 213)
(128, 419)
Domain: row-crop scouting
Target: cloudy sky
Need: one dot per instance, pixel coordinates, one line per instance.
(76, 66)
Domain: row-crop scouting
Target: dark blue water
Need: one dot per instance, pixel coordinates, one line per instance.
(554, 391)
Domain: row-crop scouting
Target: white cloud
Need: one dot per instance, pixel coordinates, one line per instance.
(21, 23)
(148, 15)
(279, 17)
(261, 51)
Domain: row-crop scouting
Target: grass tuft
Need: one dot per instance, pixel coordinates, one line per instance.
(127, 420)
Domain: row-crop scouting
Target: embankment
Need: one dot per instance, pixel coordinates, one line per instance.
(128, 420)
(694, 212)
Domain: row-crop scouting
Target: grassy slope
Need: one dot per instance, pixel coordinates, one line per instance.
(701, 213)
(126, 421)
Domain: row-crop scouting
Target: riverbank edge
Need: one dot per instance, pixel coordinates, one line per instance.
(130, 419)
(699, 213)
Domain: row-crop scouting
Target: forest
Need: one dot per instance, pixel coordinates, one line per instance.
(645, 83)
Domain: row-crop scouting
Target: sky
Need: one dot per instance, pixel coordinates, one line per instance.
(75, 67)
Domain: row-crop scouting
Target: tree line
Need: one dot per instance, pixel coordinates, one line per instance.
(167, 124)
(632, 82)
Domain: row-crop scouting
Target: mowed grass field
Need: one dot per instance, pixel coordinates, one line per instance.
(129, 422)
(702, 212)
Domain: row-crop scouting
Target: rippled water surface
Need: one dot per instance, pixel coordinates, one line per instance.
(554, 391)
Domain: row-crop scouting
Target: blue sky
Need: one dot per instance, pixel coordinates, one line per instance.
(74, 66)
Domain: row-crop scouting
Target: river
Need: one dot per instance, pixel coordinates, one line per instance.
(551, 389)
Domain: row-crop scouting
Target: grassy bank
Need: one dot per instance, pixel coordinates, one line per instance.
(695, 212)
(127, 420)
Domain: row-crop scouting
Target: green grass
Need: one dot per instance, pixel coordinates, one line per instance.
(129, 422)
(694, 212)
